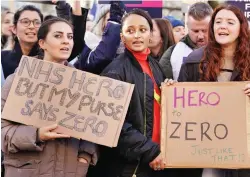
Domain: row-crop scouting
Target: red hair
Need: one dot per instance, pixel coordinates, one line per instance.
(212, 61)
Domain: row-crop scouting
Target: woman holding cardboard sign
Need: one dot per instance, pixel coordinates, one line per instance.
(30, 151)
(225, 58)
(138, 153)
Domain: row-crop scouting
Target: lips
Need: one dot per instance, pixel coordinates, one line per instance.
(66, 49)
(223, 34)
(30, 33)
(137, 42)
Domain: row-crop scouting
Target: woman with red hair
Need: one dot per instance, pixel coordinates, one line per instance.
(225, 58)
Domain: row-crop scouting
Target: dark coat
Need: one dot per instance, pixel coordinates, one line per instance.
(135, 147)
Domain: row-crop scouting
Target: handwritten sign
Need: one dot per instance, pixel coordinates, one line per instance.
(84, 105)
(205, 125)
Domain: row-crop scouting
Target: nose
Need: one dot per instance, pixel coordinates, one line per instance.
(31, 25)
(137, 34)
(65, 40)
(201, 35)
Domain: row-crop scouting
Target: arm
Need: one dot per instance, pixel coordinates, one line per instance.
(88, 151)
(63, 9)
(17, 137)
(96, 60)
(166, 63)
(79, 19)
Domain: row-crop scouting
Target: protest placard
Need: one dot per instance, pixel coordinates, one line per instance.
(84, 105)
(205, 125)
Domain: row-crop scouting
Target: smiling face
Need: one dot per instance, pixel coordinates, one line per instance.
(226, 28)
(136, 33)
(58, 43)
(24, 32)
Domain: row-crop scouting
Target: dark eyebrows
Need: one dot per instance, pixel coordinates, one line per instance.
(62, 32)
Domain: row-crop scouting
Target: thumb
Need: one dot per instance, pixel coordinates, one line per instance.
(51, 127)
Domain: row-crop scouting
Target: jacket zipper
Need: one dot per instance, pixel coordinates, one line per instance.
(145, 118)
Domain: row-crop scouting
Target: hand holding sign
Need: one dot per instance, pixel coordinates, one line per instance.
(46, 133)
(158, 163)
(247, 90)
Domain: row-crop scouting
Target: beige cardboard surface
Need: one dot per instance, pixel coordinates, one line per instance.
(84, 105)
(205, 125)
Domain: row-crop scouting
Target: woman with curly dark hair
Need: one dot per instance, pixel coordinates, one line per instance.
(225, 58)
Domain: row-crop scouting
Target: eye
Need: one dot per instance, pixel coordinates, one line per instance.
(217, 22)
(231, 23)
(130, 31)
(58, 36)
(25, 21)
(37, 23)
(70, 36)
(143, 30)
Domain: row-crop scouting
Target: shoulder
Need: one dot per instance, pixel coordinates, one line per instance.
(195, 56)
(117, 65)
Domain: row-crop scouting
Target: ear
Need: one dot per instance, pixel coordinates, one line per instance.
(41, 43)
(13, 29)
(122, 38)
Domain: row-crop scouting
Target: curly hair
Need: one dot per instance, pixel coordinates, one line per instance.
(211, 62)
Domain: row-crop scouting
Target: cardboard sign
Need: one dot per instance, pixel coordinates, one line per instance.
(84, 105)
(205, 125)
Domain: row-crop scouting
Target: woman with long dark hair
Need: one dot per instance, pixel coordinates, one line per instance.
(162, 38)
(31, 151)
(225, 58)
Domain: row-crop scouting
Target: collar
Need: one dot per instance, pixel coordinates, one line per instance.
(141, 56)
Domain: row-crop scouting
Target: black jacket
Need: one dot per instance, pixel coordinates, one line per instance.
(190, 73)
(10, 59)
(135, 146)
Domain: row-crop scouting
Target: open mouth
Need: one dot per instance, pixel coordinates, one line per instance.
(138, 42)
(65, 49)
(31, 34)
(223, 34)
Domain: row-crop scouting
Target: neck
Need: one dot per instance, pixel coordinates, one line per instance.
(50, 59)
(156, 50)
(228, 51)
(26, 47)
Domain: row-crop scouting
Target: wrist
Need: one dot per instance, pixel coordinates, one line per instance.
(38, 139)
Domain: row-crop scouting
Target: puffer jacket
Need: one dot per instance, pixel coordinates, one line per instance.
(24, 156)
(135, 148)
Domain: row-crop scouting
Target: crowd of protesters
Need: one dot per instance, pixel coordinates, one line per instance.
(126, 46)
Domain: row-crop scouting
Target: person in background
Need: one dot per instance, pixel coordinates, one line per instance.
(7, 41)
(199, 15)
(25, 146)
(97, 54)
(225, 58)
(178, 28)
(138, 147)
(27, 21)
(162, 38)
